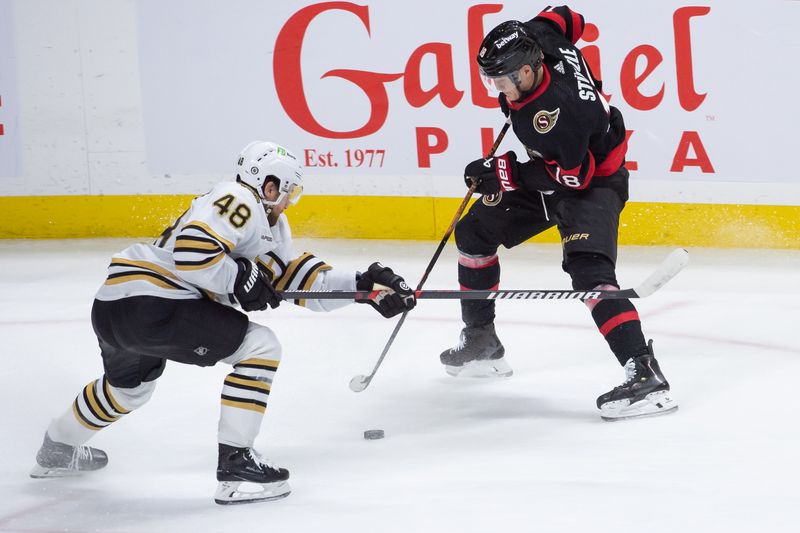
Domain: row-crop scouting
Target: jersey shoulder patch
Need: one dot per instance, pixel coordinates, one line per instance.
(544, 120)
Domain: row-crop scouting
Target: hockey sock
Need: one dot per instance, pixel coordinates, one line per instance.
(244, 401)
(246, 390)
(478, 273)
(97, 406)
(619, 323)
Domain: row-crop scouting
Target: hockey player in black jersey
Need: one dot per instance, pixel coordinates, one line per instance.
(574, 179)
(173, 300)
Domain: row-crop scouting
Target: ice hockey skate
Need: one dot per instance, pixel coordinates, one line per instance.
(645, 391)
(56, 459)
(478, 354)
(245, 477)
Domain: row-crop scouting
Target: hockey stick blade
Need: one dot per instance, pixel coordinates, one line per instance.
(359, 383)
(668, 269)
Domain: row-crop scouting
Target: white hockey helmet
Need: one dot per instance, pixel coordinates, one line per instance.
(261, 160)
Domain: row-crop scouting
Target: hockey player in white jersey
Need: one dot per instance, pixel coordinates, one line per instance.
(173, 300)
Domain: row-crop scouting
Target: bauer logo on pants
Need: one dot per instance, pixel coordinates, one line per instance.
(575, 237)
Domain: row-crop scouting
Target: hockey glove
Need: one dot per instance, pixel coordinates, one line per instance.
(503, 101)
(493, 174)
(387, 303)
(252, 287)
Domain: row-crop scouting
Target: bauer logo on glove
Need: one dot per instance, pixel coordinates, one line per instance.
(493, 175)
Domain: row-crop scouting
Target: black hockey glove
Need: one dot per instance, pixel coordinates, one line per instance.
(503, 101)
(390, 303)
(252, 287)
(493, 174)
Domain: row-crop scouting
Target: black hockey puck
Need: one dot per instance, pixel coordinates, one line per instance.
(373, 434)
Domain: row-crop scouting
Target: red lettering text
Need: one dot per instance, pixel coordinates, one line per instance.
(687, 96)
(286, 67)
(690, 139)
(424, 147)
(445, 86)
(630, 82)
(487, 140)
(629, 164)
(637, 67)
(475, 34)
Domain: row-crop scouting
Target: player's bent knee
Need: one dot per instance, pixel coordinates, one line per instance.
(464, 234)
(135, 397)
(472, 238)
(259, 342)
(589, 270)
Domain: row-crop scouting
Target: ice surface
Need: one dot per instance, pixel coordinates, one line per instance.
(525, 454)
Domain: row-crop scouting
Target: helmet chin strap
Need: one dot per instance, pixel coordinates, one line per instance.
(266, 204)
(275, 202)
(268, 207)
(272, 218)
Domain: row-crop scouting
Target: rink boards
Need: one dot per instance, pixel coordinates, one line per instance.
(126, 110)
(409, 218)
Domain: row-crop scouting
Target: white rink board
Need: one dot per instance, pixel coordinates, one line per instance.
(155, 97)
(9, 149)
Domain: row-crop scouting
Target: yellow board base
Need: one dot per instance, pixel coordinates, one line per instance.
(408, 218)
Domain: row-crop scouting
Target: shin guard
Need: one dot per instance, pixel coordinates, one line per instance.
(618, 321)
(97, 406)
(246, 390)
(478, 273)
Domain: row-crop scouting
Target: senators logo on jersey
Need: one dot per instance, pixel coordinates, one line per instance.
(544, 120)
(491, 200)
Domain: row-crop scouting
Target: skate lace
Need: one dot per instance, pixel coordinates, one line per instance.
(630, 372)
(80, 453)
(462, 341)
(260, 460)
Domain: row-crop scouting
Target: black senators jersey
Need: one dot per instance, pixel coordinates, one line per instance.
(573, 137)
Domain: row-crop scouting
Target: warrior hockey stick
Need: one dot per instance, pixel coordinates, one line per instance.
(667, 270)
(361, 382)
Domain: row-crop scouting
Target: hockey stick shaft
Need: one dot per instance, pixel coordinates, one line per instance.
(460, 210)
(506, 294)
(673, 264)
(359, 383)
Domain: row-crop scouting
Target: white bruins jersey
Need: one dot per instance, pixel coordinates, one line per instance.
(194, 257)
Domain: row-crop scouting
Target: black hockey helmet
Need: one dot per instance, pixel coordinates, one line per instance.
(507, 48)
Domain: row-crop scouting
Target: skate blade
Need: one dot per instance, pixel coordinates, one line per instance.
(654, 404)
(494, 368)
(41, 472)
(228, 492)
